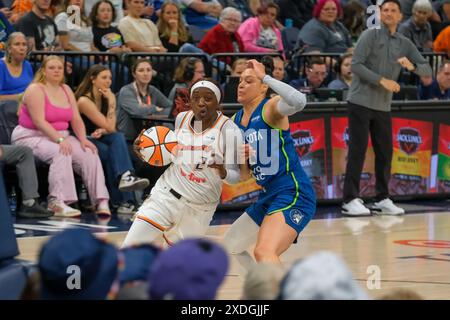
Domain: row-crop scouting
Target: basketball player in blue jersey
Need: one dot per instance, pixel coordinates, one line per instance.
(287, 202)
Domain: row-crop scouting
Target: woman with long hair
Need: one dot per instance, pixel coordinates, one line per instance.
(172, 30)
(188, 71)
(139, 99)
(141, 35)
(75, 35)
(15, 71)
(48, 108)
(107, 38)
(97, 104)
(287, 202)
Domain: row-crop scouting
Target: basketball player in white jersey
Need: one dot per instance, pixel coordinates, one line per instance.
(185, 197)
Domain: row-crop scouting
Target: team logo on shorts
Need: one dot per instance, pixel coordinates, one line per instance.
(296, 216)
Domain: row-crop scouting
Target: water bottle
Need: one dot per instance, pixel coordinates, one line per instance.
(83, 196)
(13, 200)
(288, 23)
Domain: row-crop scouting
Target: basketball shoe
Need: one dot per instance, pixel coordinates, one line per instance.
(129, 182)
(387, 207)
(60, 209)
(355, 208)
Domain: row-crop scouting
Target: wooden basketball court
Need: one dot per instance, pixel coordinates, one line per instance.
(410, 251)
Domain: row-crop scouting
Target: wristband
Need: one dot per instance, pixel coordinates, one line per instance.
(59, 140)
(174, 33)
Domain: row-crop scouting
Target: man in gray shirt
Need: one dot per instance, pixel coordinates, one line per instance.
(377, 61)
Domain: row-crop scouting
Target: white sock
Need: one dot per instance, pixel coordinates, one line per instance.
(28, 203)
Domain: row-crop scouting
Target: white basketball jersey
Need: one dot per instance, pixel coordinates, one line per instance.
(190, 175)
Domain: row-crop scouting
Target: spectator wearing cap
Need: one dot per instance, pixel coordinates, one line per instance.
(260, 34)
(262, 282)
(324, 32)
(102, 268)
(224, 37)
(439, 88)
(192, 269)
(417, 28)
(321, 276)
(77, 252)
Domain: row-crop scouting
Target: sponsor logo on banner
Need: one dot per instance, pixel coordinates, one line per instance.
(409, 140)
(303, 141)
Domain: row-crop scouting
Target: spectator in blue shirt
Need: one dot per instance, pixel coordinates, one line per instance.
(15, 72)
(439, 88)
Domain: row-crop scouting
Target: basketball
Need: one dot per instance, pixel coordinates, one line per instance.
(155, 145)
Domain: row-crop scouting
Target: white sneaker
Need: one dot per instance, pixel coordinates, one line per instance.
(355, 208)
(126, 208)
(103, 208)
(386, 206)
(129, 182)
(60, 209)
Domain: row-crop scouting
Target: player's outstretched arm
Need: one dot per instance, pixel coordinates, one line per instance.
(290, 100)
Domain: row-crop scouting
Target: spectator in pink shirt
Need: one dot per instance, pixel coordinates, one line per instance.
(260, 34)
(49, 106)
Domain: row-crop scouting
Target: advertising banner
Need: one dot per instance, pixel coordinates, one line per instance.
(411, 161)
(339, 147)
(309, 141)
(443, 172)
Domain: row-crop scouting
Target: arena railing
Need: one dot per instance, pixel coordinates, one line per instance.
(229, 58)
(296, 67)
(76, 64)
(165, 65)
